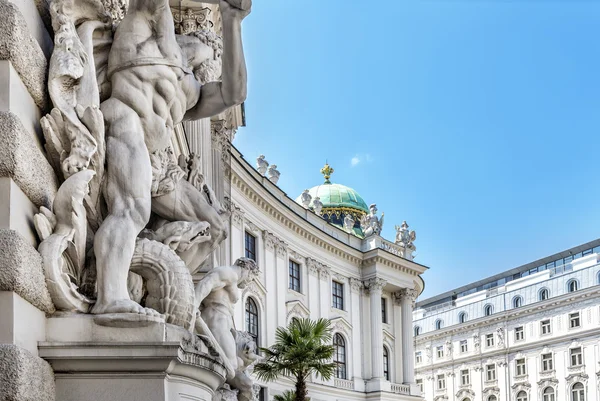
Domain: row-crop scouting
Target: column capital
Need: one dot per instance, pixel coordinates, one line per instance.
(375, 284)
(407, 294)
(356, 285)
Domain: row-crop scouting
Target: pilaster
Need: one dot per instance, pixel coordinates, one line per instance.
(407, 298)
(375, 289)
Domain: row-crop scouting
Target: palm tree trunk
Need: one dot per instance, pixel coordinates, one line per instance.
(300, 388)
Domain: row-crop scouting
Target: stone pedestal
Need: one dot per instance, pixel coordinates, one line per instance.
(158, 362)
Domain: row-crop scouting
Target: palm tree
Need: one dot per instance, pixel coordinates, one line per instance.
(303, 348)
(288, 395)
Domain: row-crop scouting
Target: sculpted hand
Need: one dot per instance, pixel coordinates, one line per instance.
(235, 8)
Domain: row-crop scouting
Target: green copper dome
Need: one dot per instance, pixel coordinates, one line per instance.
(334, 196)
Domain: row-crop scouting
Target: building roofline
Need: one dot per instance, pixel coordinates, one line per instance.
(525, 267)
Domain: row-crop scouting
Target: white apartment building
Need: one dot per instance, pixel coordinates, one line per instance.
(529, 334)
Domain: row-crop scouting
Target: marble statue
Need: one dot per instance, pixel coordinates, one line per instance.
(500, 335)
(119, 82)
(305, 198)
(404, 237)
(348, 222)
(273, 174)
(247, 355)
(449, 348)
(476, 341)
(317, 206)
(370, 223)
(215, 296)
(262, 164)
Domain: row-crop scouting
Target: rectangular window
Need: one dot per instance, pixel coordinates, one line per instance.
(464, 346)
(338, 295)
(489, 340)
(547, 363)
(465, 377)
(294, 276)
(490, 372)
(574, 320)
(519, 333)
(545, 326)
(250, 246)
(383, 310)
(420, 384)
(441, 382)
(520, 365)
(418, 357)
(576, 356)
(440, 351)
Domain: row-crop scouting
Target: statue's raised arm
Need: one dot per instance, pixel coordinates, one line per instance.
(216, 97)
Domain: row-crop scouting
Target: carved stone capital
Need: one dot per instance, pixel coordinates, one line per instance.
(408, 293)
(221, 140)
(324, 272)
(313, 266)
(296, 256)
(282, 248)
(237, 215)
(356, 285)
(375, 284)
(270, 240)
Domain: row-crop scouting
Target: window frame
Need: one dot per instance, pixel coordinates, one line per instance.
(490, 340)
(386, 363)
(517, 302)
(519, 333)
(522, 396)
(572, 285)
(546, 396)
(462, 317)
(465, 377)
(544, 294)
(252, 318)
(250, 254)
(520, 367)
(546, 323)
(488, 310)
(580, 395)
(574, 317)
(439, 351)
(578, 355)
(340, 358)
(439, 324)
(464, 346)
(547, 363)
(418, 357)
(294, 276)
(384, 319)
(441, 380)
(337, 295)
(490, 368)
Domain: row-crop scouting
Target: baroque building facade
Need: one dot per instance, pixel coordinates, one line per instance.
(528, 334)
(311, 267)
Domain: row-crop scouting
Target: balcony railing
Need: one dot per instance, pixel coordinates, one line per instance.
(345, 384)
(400, 388)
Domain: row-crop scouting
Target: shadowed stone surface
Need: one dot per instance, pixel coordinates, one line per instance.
(23, 51)
(25, 377)
(24, 162)
(21, 271)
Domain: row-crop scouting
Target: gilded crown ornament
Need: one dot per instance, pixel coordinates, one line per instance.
(327, 170)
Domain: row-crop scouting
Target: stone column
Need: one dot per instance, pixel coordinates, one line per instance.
(375, 287)
(356, 288)
(407, 299)
(312, 289)
(325, 290)
(398, 376)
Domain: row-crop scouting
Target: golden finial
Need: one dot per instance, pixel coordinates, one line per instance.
(327, 171)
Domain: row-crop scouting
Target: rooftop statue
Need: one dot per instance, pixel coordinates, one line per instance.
(317, 205)
(261, 164)
(306, 198)
(348, 222)
(370, 223)
(404, 237)
(120, 79)
(273, 174)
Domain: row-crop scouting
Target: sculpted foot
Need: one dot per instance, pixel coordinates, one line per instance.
(124, 306)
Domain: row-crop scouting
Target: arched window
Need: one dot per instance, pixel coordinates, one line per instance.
(462, 317)
(577, 392)
(492, 398)
(386, 363)
(572, 285)
(488, 310)
(438, 324)
(517, 301)
(548, 394)
(466, 399)
(252, 319)
(522, 396)
(417, 330)
(544, 294)
(339, 358)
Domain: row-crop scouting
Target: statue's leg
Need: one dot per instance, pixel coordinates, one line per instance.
(128, 185)
(186, 203)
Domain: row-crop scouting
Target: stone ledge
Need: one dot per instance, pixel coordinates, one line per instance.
(23, 376)
(26, 55)
(24, 162)
(21, 271)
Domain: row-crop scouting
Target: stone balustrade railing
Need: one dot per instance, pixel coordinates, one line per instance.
(400, 388)
(345, 384)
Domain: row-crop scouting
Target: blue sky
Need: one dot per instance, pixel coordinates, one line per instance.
(476, 121)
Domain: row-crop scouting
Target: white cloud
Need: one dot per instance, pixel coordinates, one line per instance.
(355, 160)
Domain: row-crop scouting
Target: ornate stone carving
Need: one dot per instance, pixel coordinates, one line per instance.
(262, 164)
(500, 336)
(405, 239)
(313, 266)
(221, 140)
(237, 215)
(324, 272)
(428, 352)
(370, 223)
(449, 348)
(348, 222)
(270, 240)
(409, 293)
(356, 285)
(305, 198)
(189, 21)
(116, 9)
(252, 227)
(375, 284)
(273, 174)
(476, 341)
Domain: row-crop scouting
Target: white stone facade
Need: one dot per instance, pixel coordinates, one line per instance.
(532, 338)
(285, 232)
